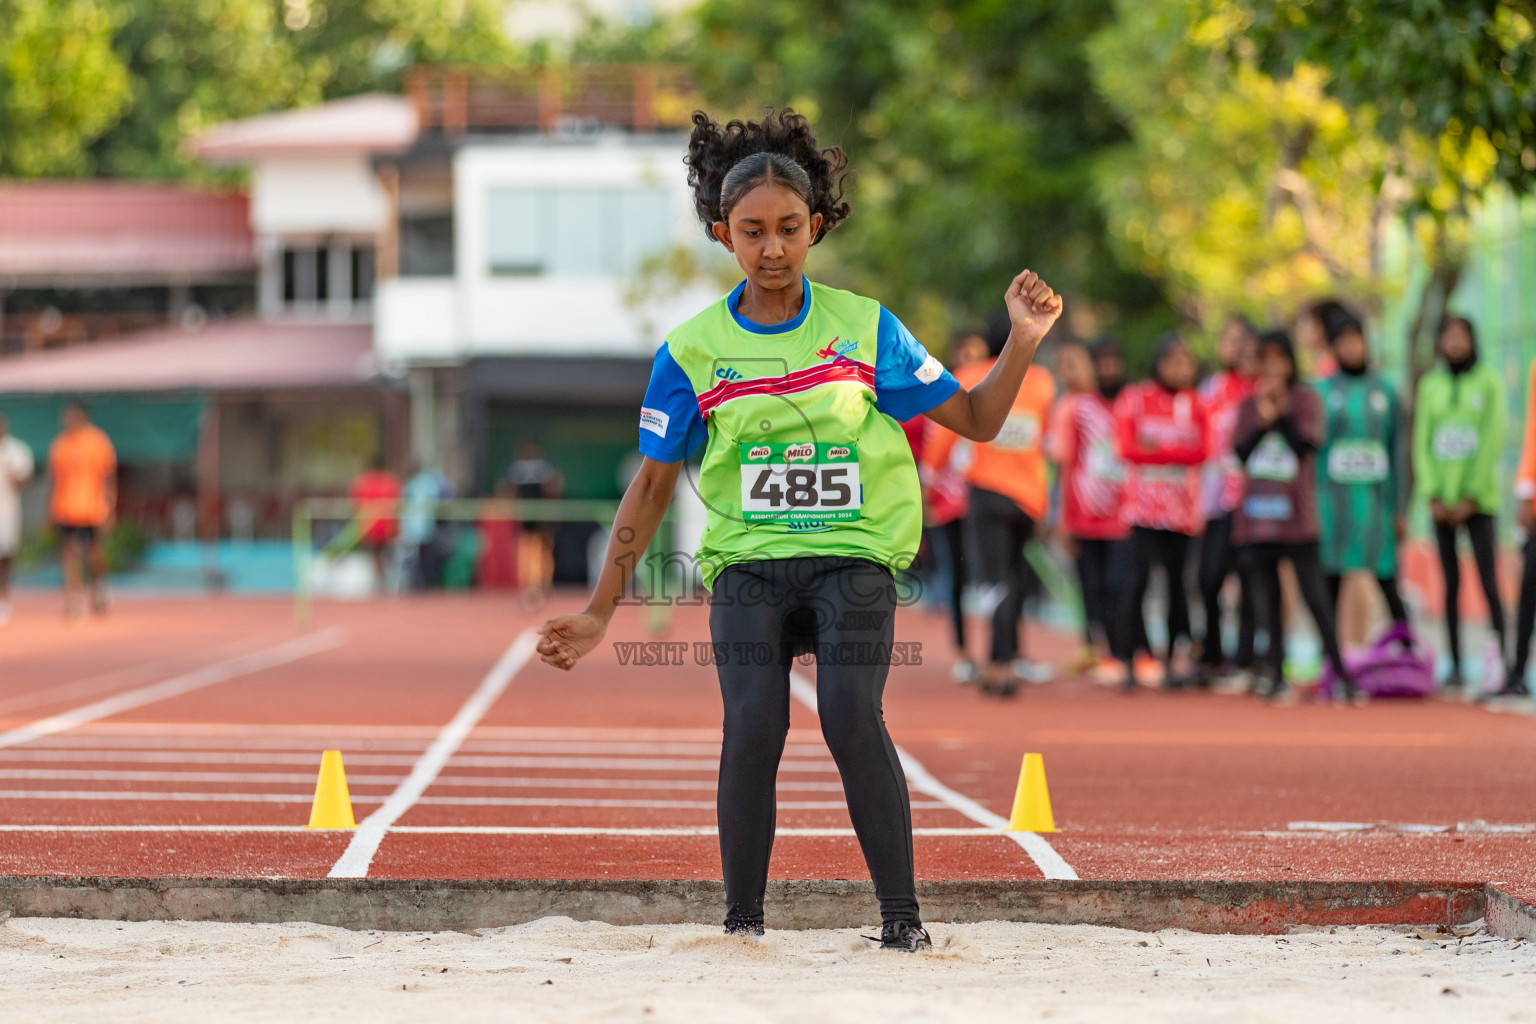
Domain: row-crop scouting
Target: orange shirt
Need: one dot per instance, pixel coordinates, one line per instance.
(1013, 463)
(81, 462)
(1525, 476)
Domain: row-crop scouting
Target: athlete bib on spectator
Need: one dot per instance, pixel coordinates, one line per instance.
(810, 483)
(1358, 461)
(1454, 442)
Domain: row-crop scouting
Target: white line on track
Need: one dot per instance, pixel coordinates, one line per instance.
(1040, 851)
(354, 862)
(150, 796)
(466, 781)
(222, 671)
(484, 830)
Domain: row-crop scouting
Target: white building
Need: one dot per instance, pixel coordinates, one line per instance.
(520, 243)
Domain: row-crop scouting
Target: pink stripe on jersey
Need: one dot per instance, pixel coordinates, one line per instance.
(789, 383)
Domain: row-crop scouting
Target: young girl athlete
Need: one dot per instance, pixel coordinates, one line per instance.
(796, 390)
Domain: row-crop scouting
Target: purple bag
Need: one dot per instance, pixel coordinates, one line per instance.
(1396, 665)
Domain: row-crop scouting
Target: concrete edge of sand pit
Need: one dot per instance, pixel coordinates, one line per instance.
(439, 905)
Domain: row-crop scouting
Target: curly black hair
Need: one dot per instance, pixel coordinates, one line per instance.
(725, 162)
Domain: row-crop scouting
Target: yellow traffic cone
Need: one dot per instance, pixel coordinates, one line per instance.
(333, 805)
(1032, 802)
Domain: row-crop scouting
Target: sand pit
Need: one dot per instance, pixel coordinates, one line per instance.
(561, 970)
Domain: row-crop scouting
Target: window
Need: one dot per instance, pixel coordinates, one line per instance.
(306, 275)
(426, 245)
(574, 231)
(362, 273)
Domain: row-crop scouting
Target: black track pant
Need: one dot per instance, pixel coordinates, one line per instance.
(761, 615)
(1480, 529)
(1395, 606)
(1218, 560)
(999, 531)
(1262, 573)
(1525, 614)
(951, 538)
(1096, 562)
(1147, 548)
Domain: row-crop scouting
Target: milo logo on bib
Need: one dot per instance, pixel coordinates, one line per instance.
(803, 484)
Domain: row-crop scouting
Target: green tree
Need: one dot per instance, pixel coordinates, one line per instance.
(973, 127)
(61, 84)
(114, 87)
(1243, 192)
(1454, 77)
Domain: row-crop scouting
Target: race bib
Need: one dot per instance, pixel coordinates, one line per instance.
(1270, 507)
(1103, 461)
(811, 483)
(1358, 461)
(1020, 432)
(1454, 443)
(1273, 459)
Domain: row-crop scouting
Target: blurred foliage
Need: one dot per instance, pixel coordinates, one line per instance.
(972, 126)
(61, 84)
(1462, 72)
(114, 87)
(1456, 78)
(1243, 192)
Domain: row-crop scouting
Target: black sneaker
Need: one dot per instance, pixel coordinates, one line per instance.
(904, 936)
(747, 929)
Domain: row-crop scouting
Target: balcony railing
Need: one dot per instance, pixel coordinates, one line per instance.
(639, 97)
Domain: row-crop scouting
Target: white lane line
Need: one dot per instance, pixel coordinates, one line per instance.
(150, 796)
(464, 781)
(284, 752)
(486, 830)
(1040, 851)
(222, 671)
(354, 862)
(819, 767)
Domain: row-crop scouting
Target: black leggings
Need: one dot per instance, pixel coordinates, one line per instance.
(953, 539)
(1480, 531)
(761, 615)
(1525, 614)
(1388, 584)
(1262, 572)
(999, 531)
(1095, 562)
(1147, 547)
(1218, 560)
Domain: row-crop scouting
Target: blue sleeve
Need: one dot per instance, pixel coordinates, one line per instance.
(671, 426)
(908, 381)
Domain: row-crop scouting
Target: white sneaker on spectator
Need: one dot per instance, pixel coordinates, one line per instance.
(1036, 672)
(1493, 667)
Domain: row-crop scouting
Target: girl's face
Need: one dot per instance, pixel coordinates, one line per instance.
(1350, 350)
(1275, 364)
(1177, 369)
(769, 232)
(1075, 369)
(1455, 342)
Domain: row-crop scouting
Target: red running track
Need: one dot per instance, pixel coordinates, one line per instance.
(181, 738)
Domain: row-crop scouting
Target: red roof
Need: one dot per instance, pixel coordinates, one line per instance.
(121, 230)
(231, 355)
(372, 123)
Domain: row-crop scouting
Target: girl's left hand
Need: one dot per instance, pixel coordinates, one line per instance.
(1032, 306)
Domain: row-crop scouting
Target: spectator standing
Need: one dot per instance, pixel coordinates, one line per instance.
(83, 466)
(1525, 514)
(1278, 432)
(1362, 469)
(1458, 436)
(1221, 488)
(1009, 494)
(531, 477)
(419, 526)
(376, 495)
(1164, 437)
(1091, 477)
(15, 470)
